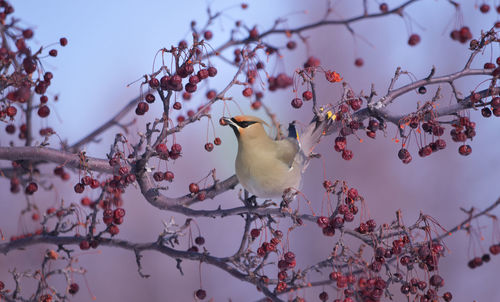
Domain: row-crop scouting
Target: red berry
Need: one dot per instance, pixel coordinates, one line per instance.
(201, 195)
(43, 111)
(489, 65)
(86, 180)
(413, 40)
(340, 143)
(359, 62)
(256, 105)
(84, 245)
(29, 65)
(347, 154)
(154, 83)
(352, 193)
(355, 105)
(53, 53)
(186, 96)
(203, 74)
(10, 129)
(119, 213)
(177, 106)
(209, 147)
(312, 62)
(194, 79)
(201, 294)
(183, 44)
(208, 35)
(322, 221)
(79, 188)
(28, 33)
(495, 249)
(484, 8)
(291, 45)
(113, 230)
(63, 41)
(150, 98)
(177, 148)
(282, 275)
(440, 144)
(190, 87)
(447, 297)
(328, 231)
(194, 188)
(495, 102)
(255, 233)
(212, 71)
(199, 240)
(247, 92)
(86, 201)
(436, 281)
(194, 249)
(142, 108)
(384, 8)
(31, 188)
(254, 34)
(169, 176)
(211, 94)
(464, 150)
(289, 256)
(296, 103)
(11, 111)
(73, 288)
(337, 222)
(307, 95)
(161, 149)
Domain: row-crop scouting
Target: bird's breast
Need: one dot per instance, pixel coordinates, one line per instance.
(264, 175)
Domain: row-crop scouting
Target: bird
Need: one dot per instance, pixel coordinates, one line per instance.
(266, 167)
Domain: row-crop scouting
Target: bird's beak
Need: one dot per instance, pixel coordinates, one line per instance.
(229, 122)
(233, 126)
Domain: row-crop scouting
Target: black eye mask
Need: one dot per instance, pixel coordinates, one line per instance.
(243, 124)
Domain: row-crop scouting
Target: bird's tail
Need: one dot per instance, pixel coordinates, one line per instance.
(311, 136)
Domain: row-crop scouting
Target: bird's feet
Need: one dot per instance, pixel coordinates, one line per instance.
(251, 201)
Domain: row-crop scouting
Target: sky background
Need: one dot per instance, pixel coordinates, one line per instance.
(113, 43)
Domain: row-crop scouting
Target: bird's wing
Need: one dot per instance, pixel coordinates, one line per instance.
(287, 150)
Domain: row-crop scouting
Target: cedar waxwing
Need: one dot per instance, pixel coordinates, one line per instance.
(266, 167)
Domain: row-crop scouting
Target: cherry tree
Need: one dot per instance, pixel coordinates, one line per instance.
(76, 203)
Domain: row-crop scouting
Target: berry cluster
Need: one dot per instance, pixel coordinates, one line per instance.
(495, 106)
(285, 263)
(464, 129)
(478, 261)
(424, 123)
(461, 35)
(268, 247)
(349, 125)
(280, 81)
(23, 74)
(346, 211)
(188, 74)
